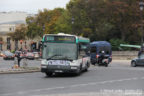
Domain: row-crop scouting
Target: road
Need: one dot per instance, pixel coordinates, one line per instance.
(119, 76)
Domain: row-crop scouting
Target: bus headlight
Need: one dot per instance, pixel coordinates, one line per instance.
(74, 67)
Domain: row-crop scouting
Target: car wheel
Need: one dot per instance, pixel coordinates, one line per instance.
(133, 64)
(48, 74)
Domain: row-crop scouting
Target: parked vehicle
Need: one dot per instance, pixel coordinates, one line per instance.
(36, 55)
(1, 54)
(138, 61)
(29, 55)
(100, 53)
(7, 55)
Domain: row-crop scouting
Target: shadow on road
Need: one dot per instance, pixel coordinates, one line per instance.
(64, 75)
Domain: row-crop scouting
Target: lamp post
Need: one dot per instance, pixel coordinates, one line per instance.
(141, 6)
(73, 19)
(43, 29)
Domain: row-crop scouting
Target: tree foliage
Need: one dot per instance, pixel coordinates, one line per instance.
(20, 33)
(43, 23)
(96, 19)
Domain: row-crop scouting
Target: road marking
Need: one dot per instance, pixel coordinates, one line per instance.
(71, 86)
(121, 68)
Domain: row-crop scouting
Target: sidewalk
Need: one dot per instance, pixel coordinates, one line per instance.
(11, 69)
(37, 69)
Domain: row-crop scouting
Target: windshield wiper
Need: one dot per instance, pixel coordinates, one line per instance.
(66, 58)
(53, 56)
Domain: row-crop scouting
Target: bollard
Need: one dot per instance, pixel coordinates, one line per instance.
(15, 63)
(25, 63)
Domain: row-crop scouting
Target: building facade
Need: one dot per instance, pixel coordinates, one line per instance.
(8, 23)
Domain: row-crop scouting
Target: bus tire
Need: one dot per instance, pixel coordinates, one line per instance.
(49, 74)
(106, 65)
(87, 66)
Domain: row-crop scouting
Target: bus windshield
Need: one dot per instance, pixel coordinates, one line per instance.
(59, 51)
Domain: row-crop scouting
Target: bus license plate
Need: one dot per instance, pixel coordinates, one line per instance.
(59, 71)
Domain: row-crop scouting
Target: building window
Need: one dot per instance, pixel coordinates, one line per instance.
(8, 44)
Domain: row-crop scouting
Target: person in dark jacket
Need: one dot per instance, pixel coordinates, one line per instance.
(19, 59)
(141, 51)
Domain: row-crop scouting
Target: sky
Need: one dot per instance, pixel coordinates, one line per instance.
(30, 6)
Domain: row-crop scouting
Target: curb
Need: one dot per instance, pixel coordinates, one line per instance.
(21, 70)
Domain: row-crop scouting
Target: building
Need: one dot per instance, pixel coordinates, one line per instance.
(8, 23)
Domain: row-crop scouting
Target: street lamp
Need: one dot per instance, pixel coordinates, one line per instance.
(73, 19)
(141, 6)
(43, 28)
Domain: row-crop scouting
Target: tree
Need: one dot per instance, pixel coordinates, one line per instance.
(43, 23)
(20, 33)
(1, 39)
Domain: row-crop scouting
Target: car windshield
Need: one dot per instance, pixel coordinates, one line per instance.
(59, 51)
(8, 53)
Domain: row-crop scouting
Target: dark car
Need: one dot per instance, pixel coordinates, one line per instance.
(138, 61)
(30, 56)
(7, 55)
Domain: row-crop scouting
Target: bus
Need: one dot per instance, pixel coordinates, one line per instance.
(64, 53)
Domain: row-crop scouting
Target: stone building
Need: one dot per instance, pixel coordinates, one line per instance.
(8, 23)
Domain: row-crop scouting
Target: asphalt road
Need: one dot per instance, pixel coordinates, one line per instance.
(118, 77)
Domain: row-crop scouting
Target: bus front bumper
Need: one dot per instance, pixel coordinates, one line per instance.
(60, 69)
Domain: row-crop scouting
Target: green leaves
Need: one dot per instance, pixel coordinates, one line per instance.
(96, 19)
(20, 33)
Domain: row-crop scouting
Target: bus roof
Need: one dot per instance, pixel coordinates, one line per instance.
(78, 38)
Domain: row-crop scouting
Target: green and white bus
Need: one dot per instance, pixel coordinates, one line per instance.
(64, 53)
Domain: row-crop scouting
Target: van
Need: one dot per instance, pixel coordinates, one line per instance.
(100, 53)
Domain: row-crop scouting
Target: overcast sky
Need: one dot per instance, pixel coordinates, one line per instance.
(30, 6)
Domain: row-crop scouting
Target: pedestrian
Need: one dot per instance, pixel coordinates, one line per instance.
(141, 51)
(19, 59)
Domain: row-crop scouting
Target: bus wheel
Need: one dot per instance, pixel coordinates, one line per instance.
(49, 74)
(106, 65)
(87, 66)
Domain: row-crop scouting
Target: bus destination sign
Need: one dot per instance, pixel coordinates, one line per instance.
(69, 39)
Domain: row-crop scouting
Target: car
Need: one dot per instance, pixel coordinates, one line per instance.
(7, 55)
(1, 53)
(29, 55)
(36, 55)
(138, 61)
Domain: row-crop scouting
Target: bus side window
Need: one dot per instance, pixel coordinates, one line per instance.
(81, 50)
